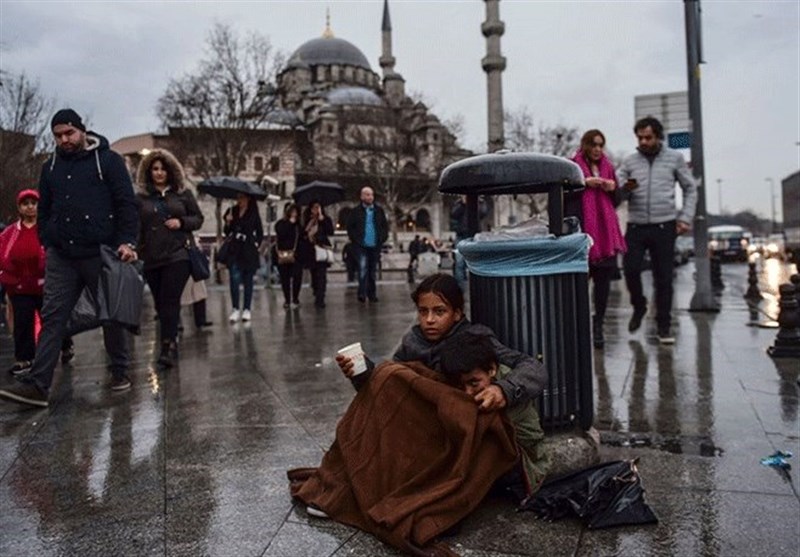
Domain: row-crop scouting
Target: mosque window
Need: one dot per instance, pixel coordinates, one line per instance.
(258, 163)
(274, 164)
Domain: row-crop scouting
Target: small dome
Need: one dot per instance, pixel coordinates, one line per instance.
(282, 117)
(354, 95)
(326, 51)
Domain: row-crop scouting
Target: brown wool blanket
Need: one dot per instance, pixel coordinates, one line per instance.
(412, 457)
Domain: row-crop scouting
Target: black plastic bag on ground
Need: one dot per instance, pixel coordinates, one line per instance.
(609, 494)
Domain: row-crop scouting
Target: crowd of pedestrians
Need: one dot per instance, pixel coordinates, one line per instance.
(86, 200)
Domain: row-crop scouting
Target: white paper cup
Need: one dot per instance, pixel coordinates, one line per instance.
(356, 355)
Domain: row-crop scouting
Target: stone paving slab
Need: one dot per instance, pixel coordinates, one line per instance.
(193, 461)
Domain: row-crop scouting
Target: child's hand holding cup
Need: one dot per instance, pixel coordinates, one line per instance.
(351, 360)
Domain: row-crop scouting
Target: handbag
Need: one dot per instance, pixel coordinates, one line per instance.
(286, 256)
(198, 263)
(224, 251)
(323, 254)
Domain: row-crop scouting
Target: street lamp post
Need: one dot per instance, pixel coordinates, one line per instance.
(771, 204)
(719, 194)
(703, 298)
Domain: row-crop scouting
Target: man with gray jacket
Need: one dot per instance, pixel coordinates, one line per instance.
(648, 177)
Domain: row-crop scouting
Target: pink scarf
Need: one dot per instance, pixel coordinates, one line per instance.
(599, 217)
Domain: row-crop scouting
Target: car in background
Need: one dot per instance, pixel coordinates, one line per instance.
(729, 242)
(775, 247)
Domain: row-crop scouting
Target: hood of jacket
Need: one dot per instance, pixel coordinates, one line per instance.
(175, 168)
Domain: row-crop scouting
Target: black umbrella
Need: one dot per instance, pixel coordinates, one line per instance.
(326, 193)
(228, 187)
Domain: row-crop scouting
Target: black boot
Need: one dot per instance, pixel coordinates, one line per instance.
(598, 339)
(169, 354)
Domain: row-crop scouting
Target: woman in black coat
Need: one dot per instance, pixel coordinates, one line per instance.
(245, 233)
(168, 215)
(317, 230)
(289, 234)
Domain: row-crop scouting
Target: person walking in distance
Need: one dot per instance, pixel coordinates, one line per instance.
(169, 214)
(317, 231)
(22, 262)
(368, 230)
(288, 231)
(594, 207)
(648, 179)
(243, 225)
(86, 201)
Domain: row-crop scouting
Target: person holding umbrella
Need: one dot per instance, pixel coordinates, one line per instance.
(290, 269)
(168, 214)
(317, 229)
(243, 227)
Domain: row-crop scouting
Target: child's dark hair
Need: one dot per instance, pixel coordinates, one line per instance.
(444, 286)
(465, 353)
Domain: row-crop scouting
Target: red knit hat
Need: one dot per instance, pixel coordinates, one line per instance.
(25, 194)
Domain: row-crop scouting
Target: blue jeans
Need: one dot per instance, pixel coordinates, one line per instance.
(65, 279)
(239, 278)
(367, 269)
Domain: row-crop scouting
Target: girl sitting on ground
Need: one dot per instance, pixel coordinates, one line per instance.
(440, 322)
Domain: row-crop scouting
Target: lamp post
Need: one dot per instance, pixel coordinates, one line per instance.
(719, 194)
(771, 204)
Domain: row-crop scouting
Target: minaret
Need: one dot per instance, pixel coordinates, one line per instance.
(386, 60)
(394, 86)
(494, 64)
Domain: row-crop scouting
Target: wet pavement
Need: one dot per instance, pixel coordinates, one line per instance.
(193, 461)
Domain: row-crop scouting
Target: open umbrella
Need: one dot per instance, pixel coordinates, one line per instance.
(228, 187)
(326, 193)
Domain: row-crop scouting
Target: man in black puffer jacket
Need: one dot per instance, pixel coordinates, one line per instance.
(86, 201)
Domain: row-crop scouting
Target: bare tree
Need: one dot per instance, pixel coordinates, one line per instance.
(24, 114)
(522, 134)
(212, 112)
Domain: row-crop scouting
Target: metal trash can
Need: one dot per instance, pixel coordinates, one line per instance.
(533, 292)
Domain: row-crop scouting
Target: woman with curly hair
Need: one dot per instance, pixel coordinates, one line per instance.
(169, 214)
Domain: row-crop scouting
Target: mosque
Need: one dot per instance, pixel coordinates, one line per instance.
(338, 120)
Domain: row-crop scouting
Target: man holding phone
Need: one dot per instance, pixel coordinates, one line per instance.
(648, 177)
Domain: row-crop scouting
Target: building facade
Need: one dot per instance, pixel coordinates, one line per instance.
(337, 120)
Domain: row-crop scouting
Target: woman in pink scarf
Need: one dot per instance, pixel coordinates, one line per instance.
(594, 206)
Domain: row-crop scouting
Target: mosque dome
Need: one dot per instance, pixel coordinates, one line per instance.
(327, 50)
(353, 96)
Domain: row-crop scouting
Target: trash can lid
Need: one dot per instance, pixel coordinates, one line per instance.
(505, 173)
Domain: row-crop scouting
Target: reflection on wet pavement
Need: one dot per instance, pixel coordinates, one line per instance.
(193, 461)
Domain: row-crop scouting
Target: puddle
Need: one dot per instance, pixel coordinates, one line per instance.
(688, 445)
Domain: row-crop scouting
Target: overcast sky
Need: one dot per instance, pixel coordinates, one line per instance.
(577, 63)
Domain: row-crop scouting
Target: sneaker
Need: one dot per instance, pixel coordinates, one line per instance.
(636, 318)
(234, 316)
(664, 336)
(122, 383)
(20, 367)
(295, 305)
(26, 393)
(67, 354)
(246, 315)
(287, 305)
(316, 512)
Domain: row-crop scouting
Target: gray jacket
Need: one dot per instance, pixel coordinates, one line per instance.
(653, 202)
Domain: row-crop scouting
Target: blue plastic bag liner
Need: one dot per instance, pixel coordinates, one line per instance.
(527, 257)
